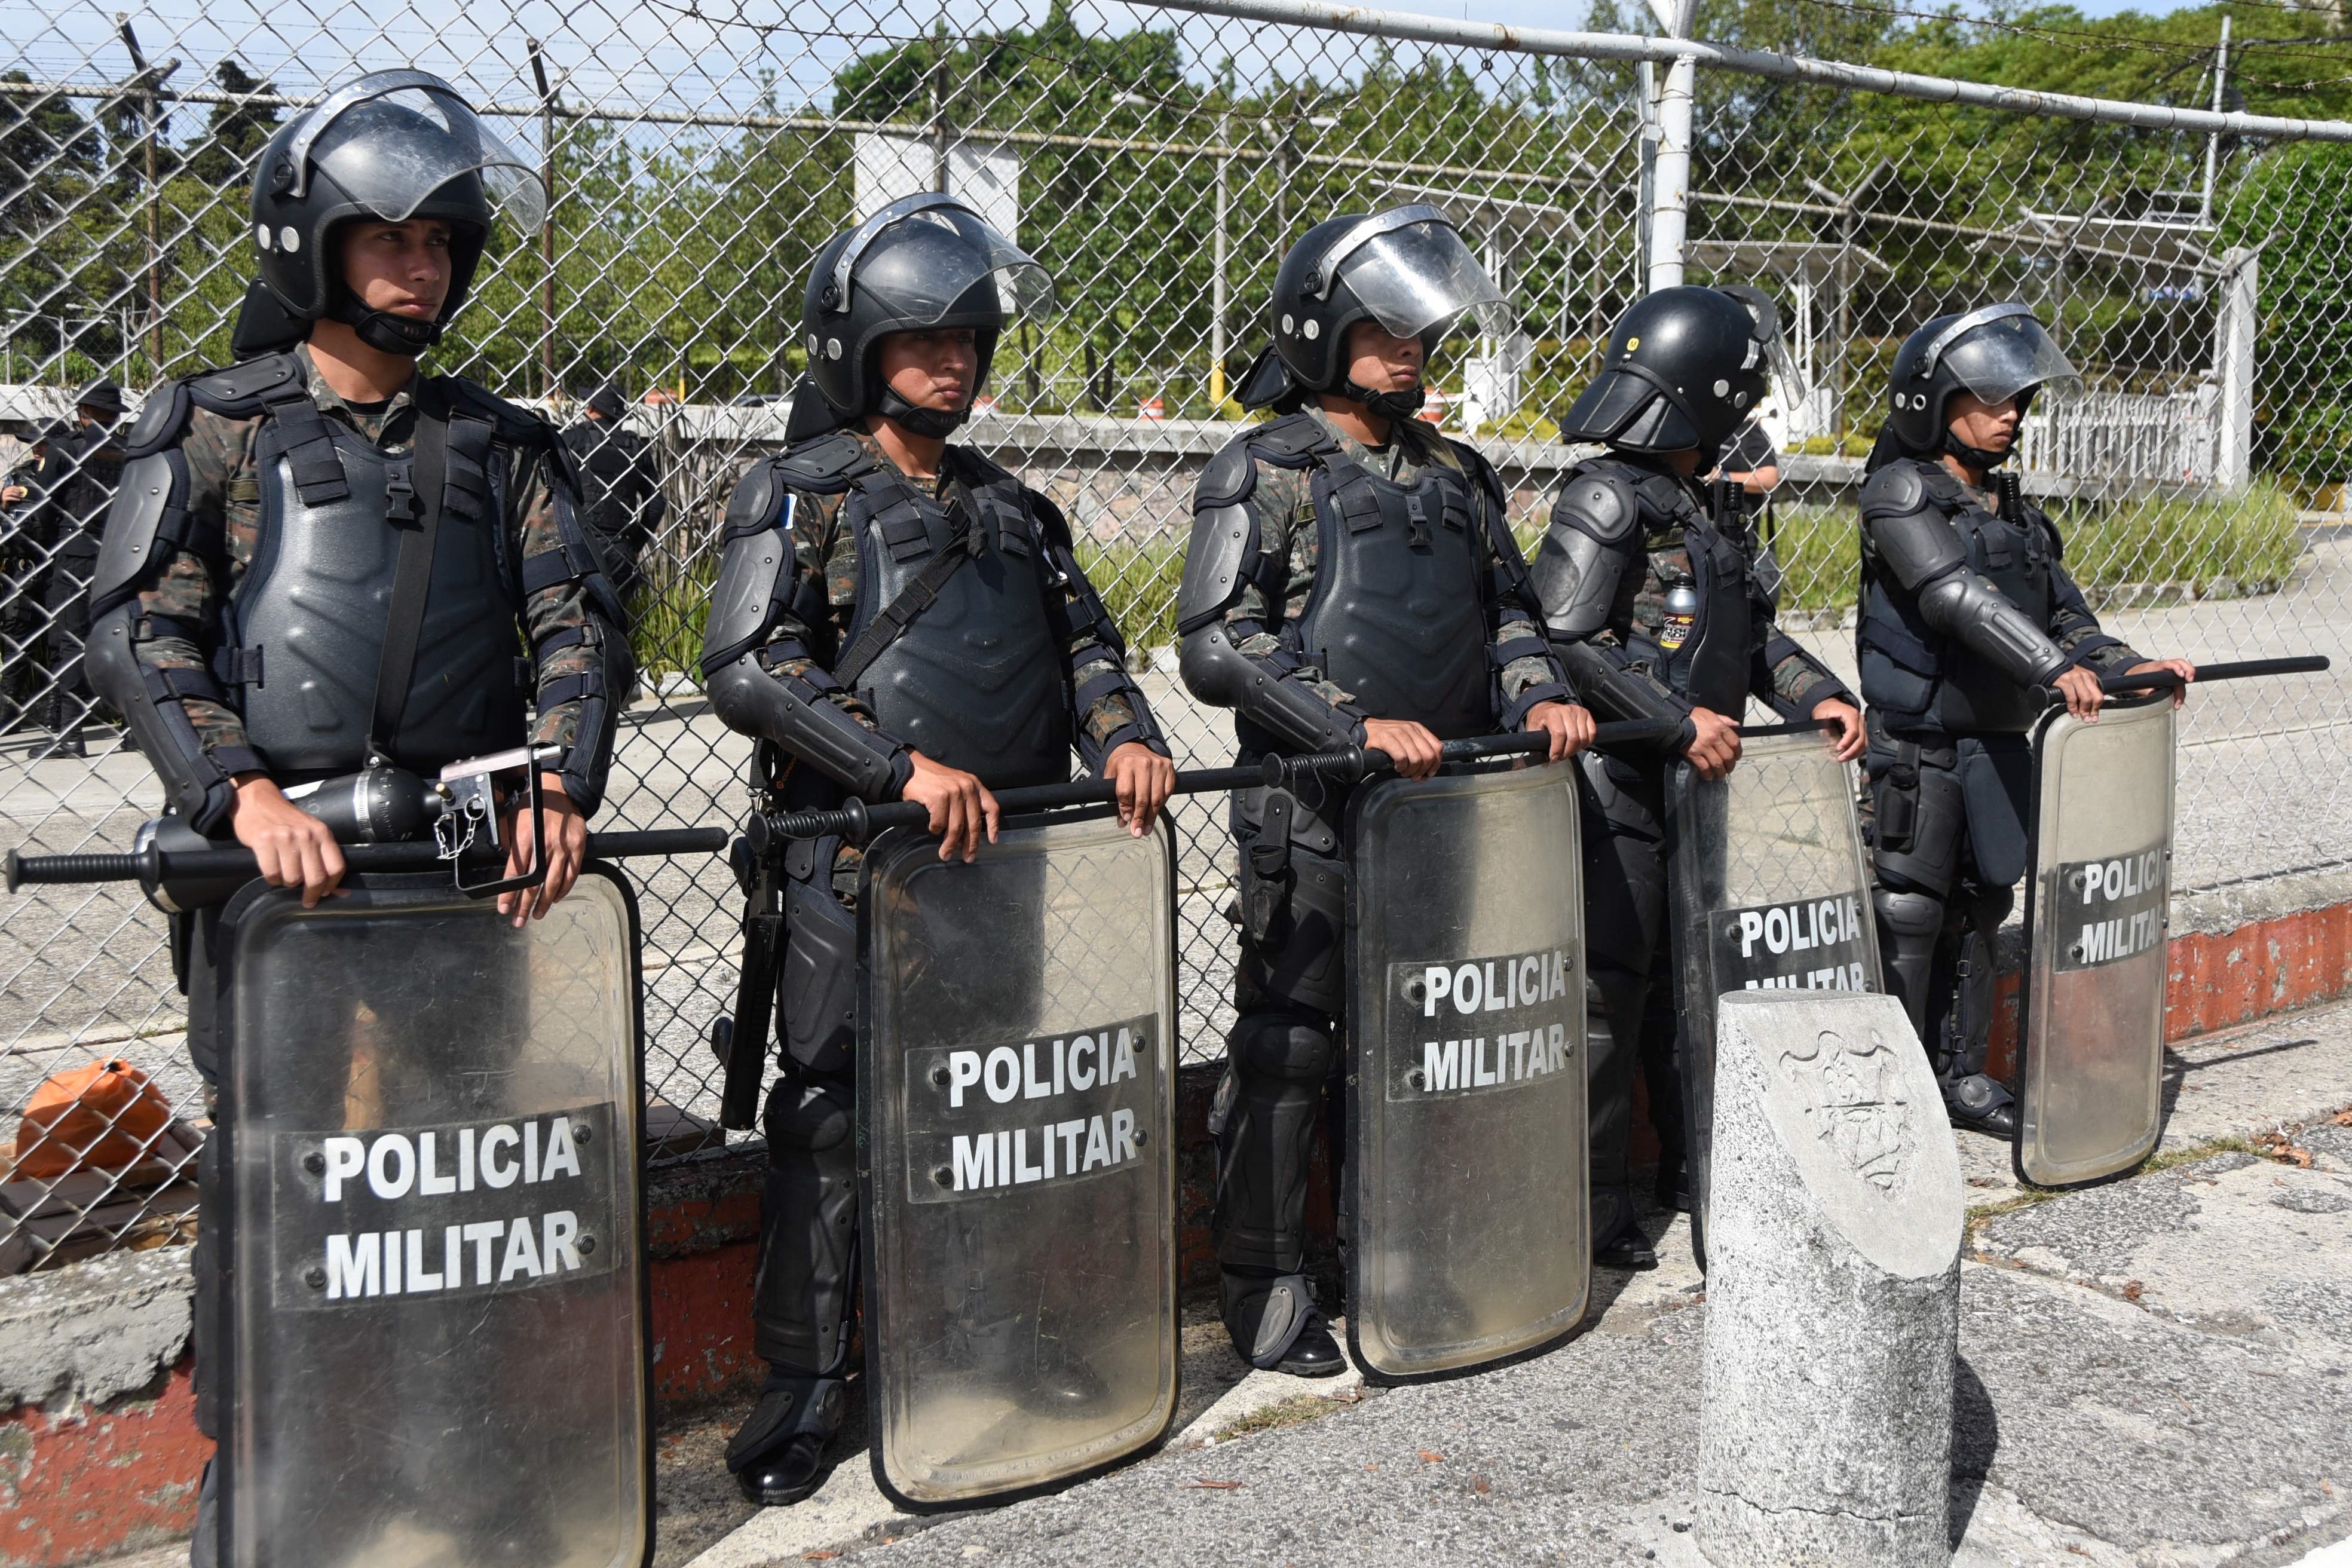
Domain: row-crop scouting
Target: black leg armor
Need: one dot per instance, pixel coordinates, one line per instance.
(1276, 1066)
(1937, 925)
(1624, 915)
(808, 1227)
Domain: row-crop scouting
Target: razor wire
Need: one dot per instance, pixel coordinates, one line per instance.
(1159, 159)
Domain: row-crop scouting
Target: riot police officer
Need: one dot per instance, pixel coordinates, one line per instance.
(1651, 593)
(620, 497)
(1967, 614)
(286, 596)
(896, 619)
(23, 561)
(1351, 581)
(78, 484)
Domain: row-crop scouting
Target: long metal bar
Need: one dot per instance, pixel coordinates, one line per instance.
(1374, 23)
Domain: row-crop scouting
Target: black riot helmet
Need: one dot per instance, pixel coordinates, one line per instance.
(925, 260)
(1996, 352)
(1408, 268)
(391, 145)
(1685, 368)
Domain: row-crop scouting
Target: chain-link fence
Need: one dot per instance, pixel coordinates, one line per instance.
(695, 155)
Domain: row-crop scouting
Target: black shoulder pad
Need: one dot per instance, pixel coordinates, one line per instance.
(824, 466)
(1291, 441)
(752, 507)
(1042, 507)
(979, 469)
(161, 419)
(236, 391)
(1231, 477)
(1599, 498)
(1895, 489)
(516, 426)
(1942, 489)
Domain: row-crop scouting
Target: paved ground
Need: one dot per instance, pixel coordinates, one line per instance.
(2154, 1372)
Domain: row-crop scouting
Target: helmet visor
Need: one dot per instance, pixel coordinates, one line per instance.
(392, 139)
(2004, 355)
(1421, 280)
(924, 255)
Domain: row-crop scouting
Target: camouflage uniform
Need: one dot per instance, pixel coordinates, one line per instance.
(224, 492)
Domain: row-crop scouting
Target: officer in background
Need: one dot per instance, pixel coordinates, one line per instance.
(861, 571)
(24, 562)
(1967, 614)
(1351, 581)
(620, 488)
(1654, 604)
(247, 596)
(78, 484)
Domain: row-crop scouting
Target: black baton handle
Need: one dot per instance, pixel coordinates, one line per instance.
(1793, 727)
(856, 821)
(2243, 669)
(238, 861)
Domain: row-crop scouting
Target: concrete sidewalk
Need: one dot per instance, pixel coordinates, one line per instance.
(2154, 1371)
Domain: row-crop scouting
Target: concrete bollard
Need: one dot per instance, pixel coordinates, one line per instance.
(1832, 1290)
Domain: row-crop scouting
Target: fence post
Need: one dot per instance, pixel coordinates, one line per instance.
(2233, 343)
(1670, 170)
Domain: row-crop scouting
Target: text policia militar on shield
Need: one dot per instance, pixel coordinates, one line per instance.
(1060, 1108)
(1486, 1024)
(471, 1208)
(2107, 910)
(1806, 945)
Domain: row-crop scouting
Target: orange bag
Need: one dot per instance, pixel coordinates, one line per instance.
(104, 1117)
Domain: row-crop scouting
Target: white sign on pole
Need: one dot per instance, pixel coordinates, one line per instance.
(985, 175)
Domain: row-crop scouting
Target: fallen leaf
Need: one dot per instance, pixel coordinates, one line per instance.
(1376, 1467)
(2343, 1118)
(1431, 1457)
(1478, 1484)
(1206, 1485)
(2131, 1289)
(1349, 1396)
(2079, 1551)
(2327, 1488)
(824, 1554)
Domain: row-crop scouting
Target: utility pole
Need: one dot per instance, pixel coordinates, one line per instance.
(547, 229)
(2213, 142)
(146, 81)
(940, 110)
(1217, 266)
(1670, 178)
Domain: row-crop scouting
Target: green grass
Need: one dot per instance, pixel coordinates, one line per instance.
(2212, 548)
(2208, 548)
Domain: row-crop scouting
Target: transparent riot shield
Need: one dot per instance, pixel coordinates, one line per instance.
(1467, 1181)
(2091, 1044)
(436, 1335)
(1770, 892)
(1017, 1157)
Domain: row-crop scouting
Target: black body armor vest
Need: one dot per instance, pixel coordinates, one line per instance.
(1398, 617)
(1709, 659)
(304, 632)
(2013, 548)
(978, 680)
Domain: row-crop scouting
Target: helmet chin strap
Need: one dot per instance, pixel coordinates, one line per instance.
(1975, 458)
(1391, 404)
(930, 422)
(383, 332)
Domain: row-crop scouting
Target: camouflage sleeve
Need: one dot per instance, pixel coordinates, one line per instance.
(805, 640)
(1111, 707)
(2076, 630)
(1530, 674)
(1286, 535)
(563, 613)
(178, 613)
(1790, 680)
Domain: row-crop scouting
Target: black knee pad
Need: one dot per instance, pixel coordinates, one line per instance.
(1276, 1066)
(1303, 964)
(1910, 930)
(1926, 856)
(808, 1229)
